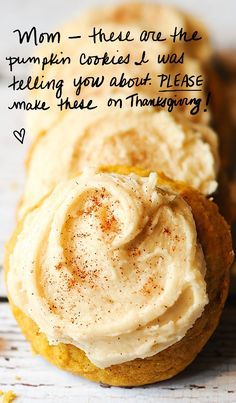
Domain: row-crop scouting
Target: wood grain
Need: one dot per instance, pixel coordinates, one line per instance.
(211, 378)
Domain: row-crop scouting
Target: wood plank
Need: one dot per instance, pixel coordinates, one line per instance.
(211, 378)
(2, 284)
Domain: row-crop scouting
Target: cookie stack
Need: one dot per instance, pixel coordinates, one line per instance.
(118, 268)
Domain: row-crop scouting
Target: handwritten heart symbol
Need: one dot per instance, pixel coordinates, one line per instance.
(19, 135)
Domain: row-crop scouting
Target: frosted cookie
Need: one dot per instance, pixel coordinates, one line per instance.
(118, 19)
(146, 138)
(119, 277)
(155, 18)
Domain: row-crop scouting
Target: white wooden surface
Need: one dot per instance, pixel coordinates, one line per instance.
(212, 377)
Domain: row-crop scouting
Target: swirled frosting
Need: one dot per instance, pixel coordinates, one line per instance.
(150, 139)
(111, 264)
(153, 17)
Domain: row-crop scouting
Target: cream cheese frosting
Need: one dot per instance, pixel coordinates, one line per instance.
(146, 138)
(153, 17)
(111, 264)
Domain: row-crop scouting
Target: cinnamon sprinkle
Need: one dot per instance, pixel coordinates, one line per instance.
(167, 231)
